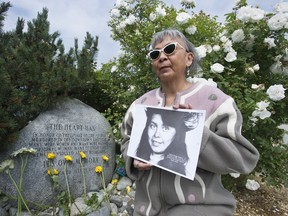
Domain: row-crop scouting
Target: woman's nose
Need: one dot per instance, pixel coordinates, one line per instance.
(157, 133)
(162, 56)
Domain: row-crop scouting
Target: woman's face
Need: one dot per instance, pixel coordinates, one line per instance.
(160, 136)
(193, 121)
(172, 67)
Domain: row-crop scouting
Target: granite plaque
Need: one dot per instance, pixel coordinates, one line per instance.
(66, 129)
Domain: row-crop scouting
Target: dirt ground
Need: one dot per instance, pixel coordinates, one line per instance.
(266, 201)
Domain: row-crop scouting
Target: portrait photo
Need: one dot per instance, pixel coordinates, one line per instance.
(166, 138)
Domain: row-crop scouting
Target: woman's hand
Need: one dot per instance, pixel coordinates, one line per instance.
(182, 106)
(141, 165)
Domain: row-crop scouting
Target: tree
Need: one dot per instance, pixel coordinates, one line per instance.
(36, 72)
(247, 57)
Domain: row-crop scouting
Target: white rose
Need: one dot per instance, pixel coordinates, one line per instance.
(114, 68)
(262, 105)
(252, 185)
(231, 56)
(285, 139)
(115, 13)
(249, 14)
(238, 36)
(152, 16)
(250, 42)
(217, 68)
(191, 30)
(201, 51)
(223, 39)
(283, 127)
(270, 42)
(276, 92)
(121, 3)
(278, 21)
(228, 46)
(235, 175)
(182, 17)
(261, 110)
(130, 19)
(121, 26)
(160, 11)
(250, 70)
(208, 82)
(262, 114)
(256, 67)
(276, 68)
(285, 70)
(281, 7)
(258, 87)
(285, 57)
(216, 48)
(208, 48)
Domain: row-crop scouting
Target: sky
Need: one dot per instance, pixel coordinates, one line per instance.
(73, 18)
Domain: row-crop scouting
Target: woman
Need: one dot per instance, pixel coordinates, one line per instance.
(163, 139)
(223, 149)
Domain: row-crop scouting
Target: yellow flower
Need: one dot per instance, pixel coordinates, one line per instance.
(128, 189)
(98, 169)
(68, 158)
(49, 172)
(56, 172)
(82, 154)
(51, 155)
(105, 158)
(114, 181)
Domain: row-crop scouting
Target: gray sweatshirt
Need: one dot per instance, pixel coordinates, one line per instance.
(223, 150)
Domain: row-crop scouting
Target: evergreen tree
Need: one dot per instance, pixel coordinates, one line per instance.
(35, 71)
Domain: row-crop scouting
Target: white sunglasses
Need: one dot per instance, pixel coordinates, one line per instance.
(169, 49)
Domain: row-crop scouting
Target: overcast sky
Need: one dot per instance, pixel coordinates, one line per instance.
(73, 18)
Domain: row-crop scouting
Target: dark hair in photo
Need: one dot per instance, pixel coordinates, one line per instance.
(177, 146)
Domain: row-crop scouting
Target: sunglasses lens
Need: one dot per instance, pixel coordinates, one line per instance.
(154, 54)
(169, 49)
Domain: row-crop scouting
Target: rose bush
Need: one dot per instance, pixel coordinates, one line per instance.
(247, 57)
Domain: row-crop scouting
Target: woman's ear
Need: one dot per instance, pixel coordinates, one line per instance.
(190, 58)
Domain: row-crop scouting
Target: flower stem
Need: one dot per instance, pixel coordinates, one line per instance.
(19, 192)
(67, 183)
(104, 186)
(84, 179)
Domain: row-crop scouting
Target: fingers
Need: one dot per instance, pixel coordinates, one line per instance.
(182, 106)
(141, 165)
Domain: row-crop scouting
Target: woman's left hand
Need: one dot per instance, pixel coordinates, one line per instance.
(182, 106)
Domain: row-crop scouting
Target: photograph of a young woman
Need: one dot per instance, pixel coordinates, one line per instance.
(163, 138)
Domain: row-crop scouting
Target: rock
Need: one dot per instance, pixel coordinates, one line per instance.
(79, 206)
(104, 211)
(66, 128)
(3, 212)
(114, 209)
(123, 183)
(117, 200)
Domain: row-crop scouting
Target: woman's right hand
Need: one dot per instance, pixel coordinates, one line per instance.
(141, 165)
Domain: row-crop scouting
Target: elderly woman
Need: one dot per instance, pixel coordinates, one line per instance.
(223, 148)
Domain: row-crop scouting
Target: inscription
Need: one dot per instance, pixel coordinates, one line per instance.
(69, 139)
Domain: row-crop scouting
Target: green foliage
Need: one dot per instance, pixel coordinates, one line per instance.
(133, 68)
(36, 71)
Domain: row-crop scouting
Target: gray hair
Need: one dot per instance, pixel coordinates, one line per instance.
(173, 33)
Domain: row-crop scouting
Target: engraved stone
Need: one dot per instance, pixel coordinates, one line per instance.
(68, 127)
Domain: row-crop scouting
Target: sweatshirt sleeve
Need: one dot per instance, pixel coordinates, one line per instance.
(126, 129)
(224, 149)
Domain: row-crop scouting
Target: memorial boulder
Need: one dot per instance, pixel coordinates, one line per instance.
(65, 129)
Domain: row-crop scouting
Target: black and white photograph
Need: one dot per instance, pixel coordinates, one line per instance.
(170, 139)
